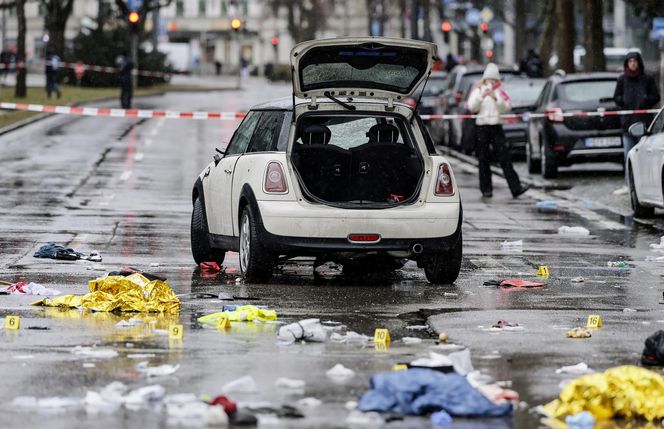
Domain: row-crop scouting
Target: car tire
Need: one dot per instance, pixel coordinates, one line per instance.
(534, 165)
(637, 208)
(256, 262)
(200, 237)
(444, 267)
(549, 162)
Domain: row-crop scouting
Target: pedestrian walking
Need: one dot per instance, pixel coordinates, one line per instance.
(634, 90)
(126, 67)
(51, 70)
(450, 62)
(489, 100)
(532, 65)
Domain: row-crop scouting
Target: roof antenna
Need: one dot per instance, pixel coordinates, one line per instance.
(412, 118)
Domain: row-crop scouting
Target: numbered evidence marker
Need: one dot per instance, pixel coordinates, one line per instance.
(175, 332)
(543, 271)
(223, 322)
(382, 336)
(12, 322)
(594, 321)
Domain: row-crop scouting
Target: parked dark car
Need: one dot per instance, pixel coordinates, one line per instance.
(556, 140)
(430, 103)
(523, 92)
(459, 82)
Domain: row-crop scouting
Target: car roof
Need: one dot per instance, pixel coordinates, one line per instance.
(585, 76)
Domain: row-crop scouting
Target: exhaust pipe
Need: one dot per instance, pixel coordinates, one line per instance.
(417, 248)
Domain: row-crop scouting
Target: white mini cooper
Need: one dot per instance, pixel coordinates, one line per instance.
(342, 171)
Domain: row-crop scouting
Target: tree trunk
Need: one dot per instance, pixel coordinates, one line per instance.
(520, 36)
(546, 42)
(414, 12)
(21, 90)
(593, 34)
(55, 23)
(427, 21)
(402, 10)
(566, 34)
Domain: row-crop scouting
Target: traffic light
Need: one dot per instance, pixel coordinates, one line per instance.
(484, 27)
(446, 26)
(236, 24)
(134, 19)
(275, 41)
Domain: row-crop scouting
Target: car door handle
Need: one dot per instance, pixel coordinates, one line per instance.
(228, 171)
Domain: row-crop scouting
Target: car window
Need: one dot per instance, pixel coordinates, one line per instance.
(658, 124)
(351, 131)
(523, 92)
(586, 91)
(267, 132)
(243, 134)
(544, 95)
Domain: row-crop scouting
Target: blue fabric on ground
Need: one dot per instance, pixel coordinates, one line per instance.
(419, 391)
(52, 250)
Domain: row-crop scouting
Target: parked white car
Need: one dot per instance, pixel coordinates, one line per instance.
(645, 166)
(342, 171)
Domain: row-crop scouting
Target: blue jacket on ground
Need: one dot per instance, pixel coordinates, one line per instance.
(419, 391)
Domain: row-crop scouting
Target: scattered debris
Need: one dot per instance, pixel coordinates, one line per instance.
(653, 353)
(309, 402)
(411, 340)
(156, 371)
(578, 333)
(340, 373)
(583, 420)
(94, 352)
(418, 327)
(290, 384)
(573, 230)
(617, 264)
(513, 283)
(579, 368)
(659, 247)
(349, 337)
(441, 418)
(358, 419)
(306, 330)
(244, 384)
(577, 280)
(58, 251)
(442, 337)
(243, 313)
(30, 289)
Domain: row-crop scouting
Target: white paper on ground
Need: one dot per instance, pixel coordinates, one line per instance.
(289, 383)
(579, 368)
(573, 230)
(340, 372)
(244, 384)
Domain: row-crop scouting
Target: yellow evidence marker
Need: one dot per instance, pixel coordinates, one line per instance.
(381, 336)
(223, 322)
(543, 271)
(594, 321)
(175, 332)
(12, 322)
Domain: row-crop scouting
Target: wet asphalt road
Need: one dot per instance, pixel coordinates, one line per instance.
(123, 187)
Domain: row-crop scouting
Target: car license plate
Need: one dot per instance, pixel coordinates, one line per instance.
(603, 142)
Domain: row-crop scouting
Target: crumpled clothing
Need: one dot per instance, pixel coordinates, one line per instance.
(578, 332)
(419, 391)
(306, 330)
(119, 293)
(58, 251)
(626, 391)
(244, 313)
(30, 289)
(653, 353)
(515, 284)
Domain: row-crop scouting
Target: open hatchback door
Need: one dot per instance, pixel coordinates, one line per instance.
(389, 69)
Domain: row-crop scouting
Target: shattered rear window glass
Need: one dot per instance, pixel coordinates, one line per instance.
(388, 74)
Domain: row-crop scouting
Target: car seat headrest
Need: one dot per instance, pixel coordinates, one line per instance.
(383, 133)
(316, 134)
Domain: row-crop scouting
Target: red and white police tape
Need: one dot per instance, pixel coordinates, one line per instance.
(90, 67)
(170, 114)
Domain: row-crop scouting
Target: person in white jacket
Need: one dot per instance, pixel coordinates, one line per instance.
(489, 100)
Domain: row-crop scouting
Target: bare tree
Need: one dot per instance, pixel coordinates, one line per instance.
(565, 35)
(55, 23)
(546, 41)
(593, 34)
(21, 89)
(305, 18)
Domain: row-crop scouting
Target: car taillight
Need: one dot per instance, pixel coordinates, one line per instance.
(444, 184)
(510, 120)
(275, 180)
(457, 97)
(410, 102)
(364, 238)
(555, 114)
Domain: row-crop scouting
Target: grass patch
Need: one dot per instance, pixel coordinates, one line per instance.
(74, 95)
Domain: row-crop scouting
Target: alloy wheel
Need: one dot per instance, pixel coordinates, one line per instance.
(245, 242)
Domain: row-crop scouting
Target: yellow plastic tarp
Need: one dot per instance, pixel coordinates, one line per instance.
(119, 293)
(627, 391)
(244, 313)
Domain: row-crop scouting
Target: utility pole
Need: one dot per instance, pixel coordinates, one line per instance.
(510, 37)
(414, 11)
(156, 21)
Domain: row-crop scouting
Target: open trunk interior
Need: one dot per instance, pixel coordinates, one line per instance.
(357, 160)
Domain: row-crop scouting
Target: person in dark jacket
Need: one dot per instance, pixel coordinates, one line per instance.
(532, 65)
(634, 90)
(126, 67)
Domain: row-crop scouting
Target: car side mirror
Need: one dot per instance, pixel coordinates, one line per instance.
(637, 130)
(217, 156)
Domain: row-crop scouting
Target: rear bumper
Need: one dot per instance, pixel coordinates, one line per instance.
(313, 235)
(575, 149)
